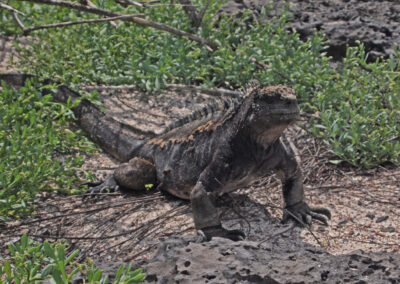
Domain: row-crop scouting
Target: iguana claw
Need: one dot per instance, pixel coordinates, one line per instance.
(303, 214)
(109, 185)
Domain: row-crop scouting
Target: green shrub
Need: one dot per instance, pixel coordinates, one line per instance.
(357, 103)
(34, 262)
(359, 110)
(37, 151)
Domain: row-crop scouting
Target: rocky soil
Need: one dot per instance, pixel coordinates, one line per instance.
(280, 260)
(376, 24)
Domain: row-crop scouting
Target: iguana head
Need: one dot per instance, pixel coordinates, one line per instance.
(273, 108)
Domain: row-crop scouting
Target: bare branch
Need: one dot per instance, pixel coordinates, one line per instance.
(64, 24)
(167, 5)
(203, 11)
(20, 24)
(124, 3)
(191, 11)
(208, 44)
(11, 9)
(91, 4)
(149, 2)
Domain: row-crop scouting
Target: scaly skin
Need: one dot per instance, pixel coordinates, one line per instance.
(205, 158)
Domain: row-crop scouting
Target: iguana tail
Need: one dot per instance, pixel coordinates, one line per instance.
(116, 138)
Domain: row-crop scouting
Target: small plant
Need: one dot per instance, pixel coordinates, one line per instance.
(124, 275)
(149, 186)
(25, 263)
(32, 262)
(359, 110)
(37, 151)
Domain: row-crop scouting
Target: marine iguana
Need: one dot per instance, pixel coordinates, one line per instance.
(206, 156)
(225, 151)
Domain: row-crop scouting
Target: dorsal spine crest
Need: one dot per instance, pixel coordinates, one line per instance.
(205, 112)
(250, 87)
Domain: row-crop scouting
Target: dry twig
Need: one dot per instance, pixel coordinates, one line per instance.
(11, 9)
(105, 206)
(124, 3)
(64, 24)
(19, 23)
(212, 46)
(91, 4)
(298, 220)
(144, 229)
(195, 16)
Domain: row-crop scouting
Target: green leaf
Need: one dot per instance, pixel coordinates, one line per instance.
(119, 273)
(105, 280)
(61, 267)
(71, 257)
(47, 270)
(136, 272)
(49, 251)
(7, 269)
(75, 271)
(24, 241)
(97, 275)
(57, 277)
(138, 278)
(60, 252)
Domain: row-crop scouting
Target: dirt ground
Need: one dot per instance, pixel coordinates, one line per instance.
(365, 204)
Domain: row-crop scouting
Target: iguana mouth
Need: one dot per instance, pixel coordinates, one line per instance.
(294, 113)
(276, 114)
(281, 111)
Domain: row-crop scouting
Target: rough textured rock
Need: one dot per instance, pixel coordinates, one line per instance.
(185, 260)
(344, 22)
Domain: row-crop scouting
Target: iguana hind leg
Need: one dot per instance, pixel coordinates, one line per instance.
(134, 175)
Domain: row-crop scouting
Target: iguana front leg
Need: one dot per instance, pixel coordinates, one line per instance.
(292, 188)
(206, 217)
(202, 197)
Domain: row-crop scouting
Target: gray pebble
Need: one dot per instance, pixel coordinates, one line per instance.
(382, 218)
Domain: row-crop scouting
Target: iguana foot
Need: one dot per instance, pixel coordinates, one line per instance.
(219, 231)
(302, 213)
(109, 185)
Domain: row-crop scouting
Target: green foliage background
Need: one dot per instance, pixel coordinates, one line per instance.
(37, 151)
(355, 105)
